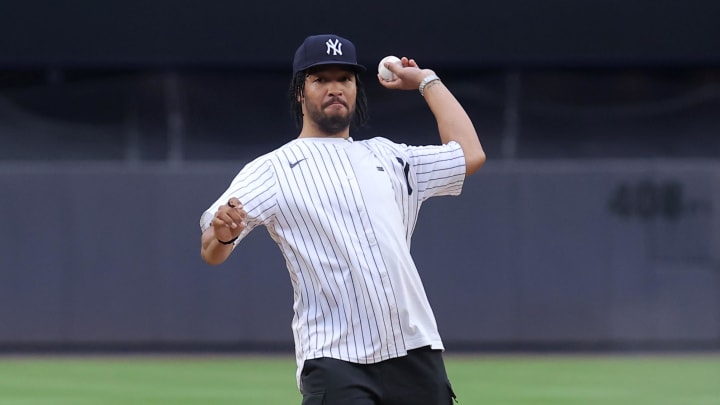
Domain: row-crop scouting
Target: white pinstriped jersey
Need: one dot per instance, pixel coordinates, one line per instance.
(343, 213)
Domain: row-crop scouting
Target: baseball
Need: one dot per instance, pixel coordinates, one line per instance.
(384, 72)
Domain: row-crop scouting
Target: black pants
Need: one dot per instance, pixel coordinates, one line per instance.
(416, 379)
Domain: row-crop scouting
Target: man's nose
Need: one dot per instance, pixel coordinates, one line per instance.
(335, 88)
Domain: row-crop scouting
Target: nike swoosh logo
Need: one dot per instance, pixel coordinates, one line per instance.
(295, 164)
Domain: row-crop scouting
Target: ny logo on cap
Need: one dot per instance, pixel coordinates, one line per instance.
(336, 47)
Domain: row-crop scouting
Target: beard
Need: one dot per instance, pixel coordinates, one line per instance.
(331, 124)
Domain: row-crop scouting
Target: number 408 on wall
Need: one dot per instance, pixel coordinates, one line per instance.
(649, 199)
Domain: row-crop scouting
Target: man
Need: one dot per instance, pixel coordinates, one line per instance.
(343, 213)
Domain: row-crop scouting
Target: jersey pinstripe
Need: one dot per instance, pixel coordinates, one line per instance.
(343, 213)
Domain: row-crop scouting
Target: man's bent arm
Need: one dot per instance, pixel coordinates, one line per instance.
(454, 124)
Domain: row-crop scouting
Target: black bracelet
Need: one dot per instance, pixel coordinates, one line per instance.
(230, 241)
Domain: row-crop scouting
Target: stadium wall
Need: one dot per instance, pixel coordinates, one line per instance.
(534, 254)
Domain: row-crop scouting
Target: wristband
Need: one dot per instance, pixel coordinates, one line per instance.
(228, 242)
(425, 82)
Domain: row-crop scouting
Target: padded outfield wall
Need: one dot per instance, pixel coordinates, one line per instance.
(583, 254)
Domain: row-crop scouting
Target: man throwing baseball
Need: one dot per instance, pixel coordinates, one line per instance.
(343, 213)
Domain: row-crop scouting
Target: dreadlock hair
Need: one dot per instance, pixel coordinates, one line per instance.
(297, 88)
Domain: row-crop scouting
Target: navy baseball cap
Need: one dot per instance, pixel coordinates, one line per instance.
(326, 49)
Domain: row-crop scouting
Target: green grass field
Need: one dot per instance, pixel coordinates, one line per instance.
(557, 380)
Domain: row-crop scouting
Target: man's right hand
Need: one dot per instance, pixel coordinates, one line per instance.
(229, 220)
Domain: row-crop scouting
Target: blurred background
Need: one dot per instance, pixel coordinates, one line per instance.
(593, 226)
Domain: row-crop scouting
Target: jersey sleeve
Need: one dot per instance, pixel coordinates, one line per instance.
(254, 186)
(439, 169)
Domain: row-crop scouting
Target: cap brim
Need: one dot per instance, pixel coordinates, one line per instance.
(354, 66)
